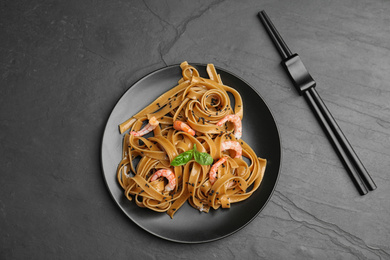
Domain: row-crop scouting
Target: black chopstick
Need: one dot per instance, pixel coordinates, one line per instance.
(275, 36)
(346, 145)
(336, 144)
(305, 85)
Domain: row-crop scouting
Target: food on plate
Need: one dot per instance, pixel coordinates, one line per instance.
(186, 146)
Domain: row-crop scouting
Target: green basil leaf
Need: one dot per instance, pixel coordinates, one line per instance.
(182, 158)
(202, 158)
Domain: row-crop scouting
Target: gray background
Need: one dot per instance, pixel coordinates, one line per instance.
(64, 64)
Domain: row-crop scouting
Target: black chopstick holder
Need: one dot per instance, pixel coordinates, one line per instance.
(305, 86)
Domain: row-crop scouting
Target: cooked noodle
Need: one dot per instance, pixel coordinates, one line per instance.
(200, 103)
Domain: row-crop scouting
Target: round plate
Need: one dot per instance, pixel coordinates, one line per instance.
(189, 225)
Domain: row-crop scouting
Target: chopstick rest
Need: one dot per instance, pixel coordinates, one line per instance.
(305, 85)
(298, 73)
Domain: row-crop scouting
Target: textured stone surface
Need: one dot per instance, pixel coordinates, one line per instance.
(64, 64)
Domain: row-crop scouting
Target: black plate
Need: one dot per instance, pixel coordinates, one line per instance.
(189, 225)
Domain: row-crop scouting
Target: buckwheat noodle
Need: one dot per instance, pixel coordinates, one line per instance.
(200, 103)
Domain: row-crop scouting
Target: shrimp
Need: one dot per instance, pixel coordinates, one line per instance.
(179, 125)
(153, 123)
(232, 145)
(236, 120)
(214, 168)
(167, 173)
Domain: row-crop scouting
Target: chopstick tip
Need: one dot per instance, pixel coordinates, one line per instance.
(261, 13)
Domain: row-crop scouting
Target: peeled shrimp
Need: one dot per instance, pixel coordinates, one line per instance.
(179, 125)
(214, 168)
(236, 120)
(232, 145)
(167, 173)
(153, 123)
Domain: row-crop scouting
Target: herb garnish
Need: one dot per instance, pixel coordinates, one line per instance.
(201, 158)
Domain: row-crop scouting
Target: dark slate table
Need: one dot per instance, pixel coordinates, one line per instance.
(64, 65)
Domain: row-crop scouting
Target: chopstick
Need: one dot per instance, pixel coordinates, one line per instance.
(305, 85)
(275, 36)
